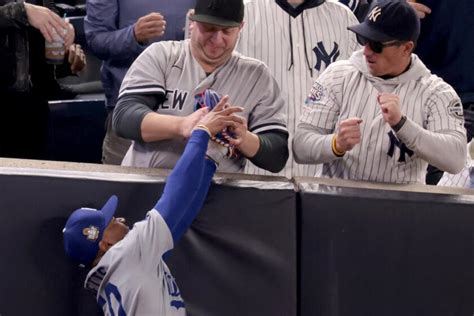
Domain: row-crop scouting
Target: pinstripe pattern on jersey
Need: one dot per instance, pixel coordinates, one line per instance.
(348, 93)
(459, 180)
(266, 36)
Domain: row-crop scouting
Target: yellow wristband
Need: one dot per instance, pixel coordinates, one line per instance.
(334, 149)
(204, 128)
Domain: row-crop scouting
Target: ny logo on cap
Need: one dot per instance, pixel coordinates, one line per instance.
(91, 233)
(374, 14)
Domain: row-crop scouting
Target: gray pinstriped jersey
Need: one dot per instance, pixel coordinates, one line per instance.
(434, 131)
(270, 34)
(459, 180)
(132, 278)
(169, 69)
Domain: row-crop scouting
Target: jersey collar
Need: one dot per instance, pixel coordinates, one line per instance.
(294, 12)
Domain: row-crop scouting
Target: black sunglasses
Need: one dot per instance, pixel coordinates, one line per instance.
(376, 47)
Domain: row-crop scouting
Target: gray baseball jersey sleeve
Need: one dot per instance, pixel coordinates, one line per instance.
(297, 44)
(132, 278)
(168, 68)
(346, 89)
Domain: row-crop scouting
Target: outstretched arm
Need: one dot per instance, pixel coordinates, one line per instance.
(187, 185)
(192, 172)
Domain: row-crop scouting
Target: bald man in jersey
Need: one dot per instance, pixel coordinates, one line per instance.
(381, 116)
(156, 106)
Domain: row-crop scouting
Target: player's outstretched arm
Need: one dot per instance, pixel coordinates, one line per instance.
(184, 182)
(188, 183)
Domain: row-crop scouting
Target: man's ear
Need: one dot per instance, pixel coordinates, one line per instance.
(409, 48)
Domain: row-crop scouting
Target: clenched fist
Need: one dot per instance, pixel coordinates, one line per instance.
(348, 134)
(149, 26)
(390, 107)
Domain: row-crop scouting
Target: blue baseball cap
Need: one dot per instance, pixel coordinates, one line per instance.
(389, 20)
(84, 229)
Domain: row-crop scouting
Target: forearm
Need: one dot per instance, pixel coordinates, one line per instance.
(273, 151)
(134, 118)
(312, 145)
(104, 37)
(250, 146)
(156, 127)
(117, 45)
(445, 150)
(13, 16)
(198, 201)
(182, 197)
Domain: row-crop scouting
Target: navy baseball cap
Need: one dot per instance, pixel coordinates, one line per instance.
(84, 229)
(389, 20)
(227, 13)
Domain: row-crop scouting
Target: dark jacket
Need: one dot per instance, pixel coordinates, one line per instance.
(24, 68)
(14, 52)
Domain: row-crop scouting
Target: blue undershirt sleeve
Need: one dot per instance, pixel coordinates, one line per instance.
(186, 186)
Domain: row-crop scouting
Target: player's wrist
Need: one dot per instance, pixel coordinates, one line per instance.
(203, 128)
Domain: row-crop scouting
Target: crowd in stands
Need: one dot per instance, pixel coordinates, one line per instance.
(365, 90)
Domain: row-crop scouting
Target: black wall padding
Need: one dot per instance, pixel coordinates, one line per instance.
(238, 259)
(76, 130)
(373, 252)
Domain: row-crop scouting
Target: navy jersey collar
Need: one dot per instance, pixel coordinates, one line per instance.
(294, 12)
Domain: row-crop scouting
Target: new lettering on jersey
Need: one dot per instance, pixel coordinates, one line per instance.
(168, 69)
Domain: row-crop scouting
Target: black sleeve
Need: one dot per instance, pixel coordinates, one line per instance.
(362, 9)
(13, 16)
(273, 152)
(129, 113)
(469, 119)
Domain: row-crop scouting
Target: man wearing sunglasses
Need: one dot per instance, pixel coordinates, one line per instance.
(381, 115)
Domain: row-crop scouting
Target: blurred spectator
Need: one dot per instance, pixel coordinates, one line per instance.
(447, 51)
(117, 32)
(27, 82)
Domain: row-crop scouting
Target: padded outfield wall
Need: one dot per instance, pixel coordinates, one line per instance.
(260, 246)
(239, 258)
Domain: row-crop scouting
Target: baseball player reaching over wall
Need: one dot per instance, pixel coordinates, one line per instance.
(297, 40)
(381, 115)
(128, 275)
(156, 106)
